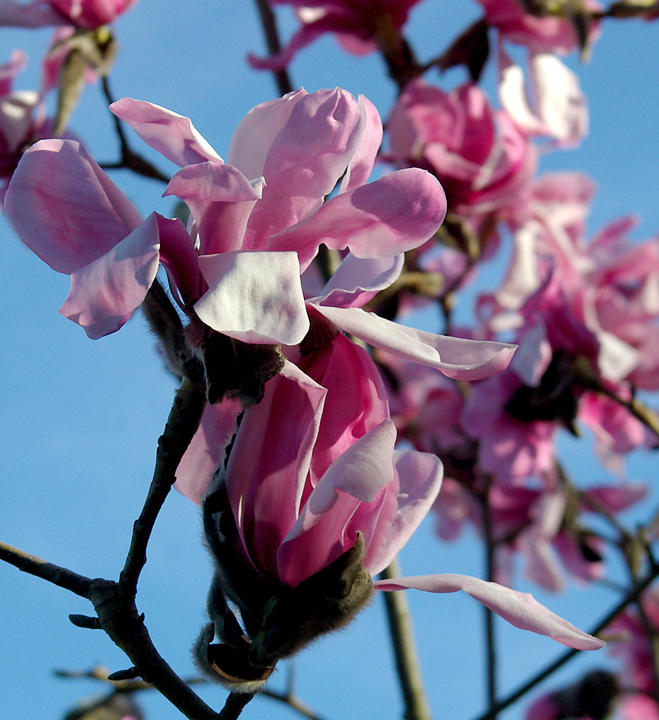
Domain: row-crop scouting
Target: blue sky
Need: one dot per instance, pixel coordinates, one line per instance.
(81, 418)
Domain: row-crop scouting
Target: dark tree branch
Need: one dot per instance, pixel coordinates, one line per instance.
(181, 426)
(274, 45)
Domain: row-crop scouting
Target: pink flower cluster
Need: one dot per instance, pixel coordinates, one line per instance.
(87, 14)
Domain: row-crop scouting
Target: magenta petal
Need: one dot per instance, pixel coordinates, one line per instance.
(420, 477)
(33, 14)
(65, 208)
(518, 608)
(221, 199)
(398, 212)
(179, 257)
(350, 497)
(105, 293)
(254, 297)
(270, 460)
(456, 358)
(169, 133)
(358, 280)
(207, 449)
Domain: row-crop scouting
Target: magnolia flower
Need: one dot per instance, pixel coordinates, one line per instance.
(87, 14)
(483, 160)
(357, 26)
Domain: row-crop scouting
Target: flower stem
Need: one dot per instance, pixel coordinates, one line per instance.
(407, 660)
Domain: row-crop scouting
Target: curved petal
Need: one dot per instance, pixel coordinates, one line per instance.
(171, 134)
(398, 212)
(253, 138)
(65, 208)
(358, 280)
(105, 293)
(270, 460)
(363, 160)
(207, 449)
(456, 358)
(221, 199)
(254, 297)
(179, 257)
(420, 476)
(304, 163)
(355, 482)
(518, 608)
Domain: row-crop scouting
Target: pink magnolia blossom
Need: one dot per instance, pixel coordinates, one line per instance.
(482, 159)
(357, 25)
(87, 14)
(259, 220)
(540, 34)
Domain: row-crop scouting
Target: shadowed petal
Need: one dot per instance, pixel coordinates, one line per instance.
(105, 293)
(65, 208)
(518, 608)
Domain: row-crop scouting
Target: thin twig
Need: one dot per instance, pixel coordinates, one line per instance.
(234, 705)
(33, 565)
(490, 638)
(181, 426)
(630, 597)
(271, 33)
(407, 660)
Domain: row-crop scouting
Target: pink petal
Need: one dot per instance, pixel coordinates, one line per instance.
(171, 134)
(33, 14)
(253, 138)
(270, 460)
(207, 449)
(105, 293)
(518, 608)
(65, 208)
(221, 199)
(358, 280)
(398, 212)
(178, 255)
(255, 297)
(456, 358)
(363, 160)
(304, 163)
(420, 477)
(356, 481)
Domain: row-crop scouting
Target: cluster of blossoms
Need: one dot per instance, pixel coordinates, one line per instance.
(314, 498)
(306, 493)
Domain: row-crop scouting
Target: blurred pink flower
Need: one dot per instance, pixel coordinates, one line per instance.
(357, 25)
(87, 14)
(539, 34)
(482, 159)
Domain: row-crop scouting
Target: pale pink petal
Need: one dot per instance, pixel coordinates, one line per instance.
(420, 477)
(304, 163)
(455, 357)
(16, 120)
(65, 208)
(363, 160)
(638, 707)
(220, 199)
(32, 14)
(270, 459)
(358, 280)
(398, 212)
(253, 138)
(207, 449)
(518, 608)
(9, 71)
(178, 255)
(105, 293)
(169, 133)
(254, 297)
